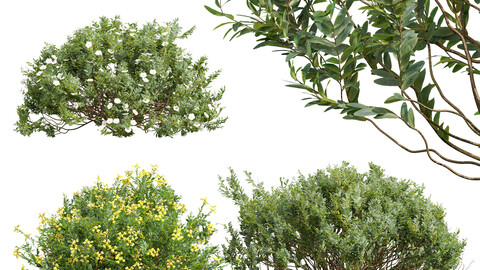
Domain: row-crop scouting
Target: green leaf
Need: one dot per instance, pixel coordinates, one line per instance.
(341, 22)
(404, 111)
(411, 118)
(411, 74)
(396, 97)
(346, 53)
(364, 112)
(386, 116)
(353, 117)
(322, 41)
(387, 81)
(213, 11)
(325, 26)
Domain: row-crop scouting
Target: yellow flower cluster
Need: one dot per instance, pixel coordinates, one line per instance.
(114, 220)
(177, 234)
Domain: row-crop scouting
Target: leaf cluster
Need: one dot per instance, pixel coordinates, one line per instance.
(339, 219)
(138, 223)
(334, 47)
(121, 77)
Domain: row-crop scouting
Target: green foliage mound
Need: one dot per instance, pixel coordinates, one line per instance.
(121, 77)
(137, 223)
(339, 219)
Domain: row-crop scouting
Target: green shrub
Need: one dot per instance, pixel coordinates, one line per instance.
(135, 224)
(339, 219)
(119, 77)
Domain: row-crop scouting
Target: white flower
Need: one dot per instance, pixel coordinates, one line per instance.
(75, 105)
(43, 67)
(176, 108)
(90, 80)
(169, 70)
(137, 61)
(191, 116)
(117, 101)
(125, 106)
(143, 75)
(128, 129)
(98, 52)
(153, 71)
(110, 51)
(56, 83)
(146, 100)
(109, 120)
(116, 121)
(49, 61)
(109, 106)
(196, 124)
(88, 44)
(134, 111)
(145, 79)
(133, 122)
(206, 115)
(111, 66)
(60, 76)
(132, 34)
(120, 40)
(54, 57)
(39, 73)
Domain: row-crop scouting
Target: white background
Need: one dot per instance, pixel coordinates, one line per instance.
(269, 132)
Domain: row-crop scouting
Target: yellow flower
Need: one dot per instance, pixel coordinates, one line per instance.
(154, 167)
(39, 259)
(137, 166)
(217, 259)
(126, 181)
(238, 259)
(204, 200)
(16, 228)
(194, 247)
(16, 252)
(213, 208)
(177, 234)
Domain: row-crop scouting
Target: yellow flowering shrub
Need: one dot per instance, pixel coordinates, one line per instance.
(137, 223)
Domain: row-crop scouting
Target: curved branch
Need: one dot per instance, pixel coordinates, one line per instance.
(476, 96)
(467, 121)
(427, 150)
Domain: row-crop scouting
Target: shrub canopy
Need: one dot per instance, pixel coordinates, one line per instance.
(137, 223)
(339, 219)
(120, 77)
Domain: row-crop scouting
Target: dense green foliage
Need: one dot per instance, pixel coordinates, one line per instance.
(138, 223)
(339, 219)
(120, 77)
(399, 42)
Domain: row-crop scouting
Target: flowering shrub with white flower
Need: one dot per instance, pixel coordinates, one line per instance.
(135, 224)
(121, 77)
